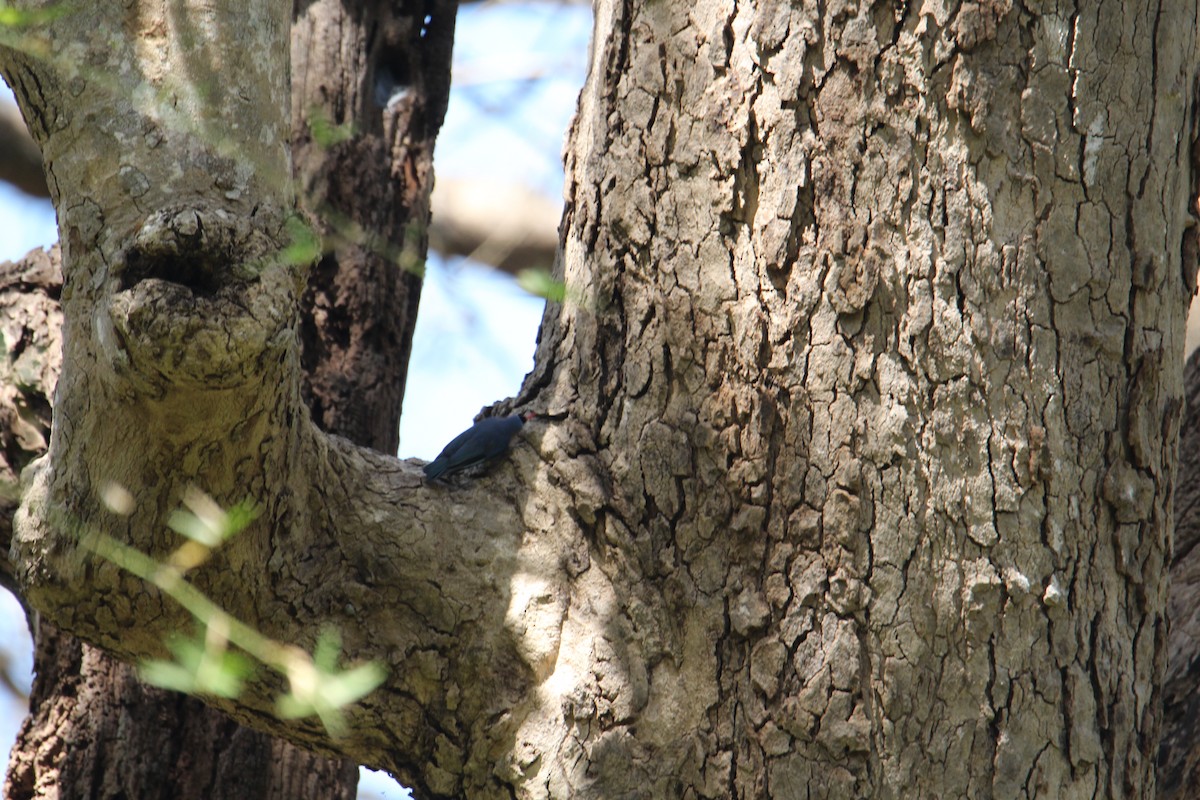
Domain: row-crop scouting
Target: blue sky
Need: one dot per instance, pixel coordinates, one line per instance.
(517, 72)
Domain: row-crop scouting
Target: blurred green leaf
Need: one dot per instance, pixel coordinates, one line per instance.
(19, 17)
(327, 651)
(168, 675)
(330, 694)
(353, 684)
(206, 523)
(322, 688)
(204, 664)
(324, 132)
(200, 667)
(239, 517)
(304, 245)
(541, 283)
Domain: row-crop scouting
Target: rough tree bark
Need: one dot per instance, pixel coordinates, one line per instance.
(95, 731)
(1179, 757)
(859, 476)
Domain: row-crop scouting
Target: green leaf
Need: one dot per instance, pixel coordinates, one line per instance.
(541, 283)
(239, 517)
(167, 675)
(323, 689)
(324, 132)
(20, 18)
(194, 528)
(331, 694)
(353, 684)
(201, 666)
(206, 523)
(304, 245)
(327, 651)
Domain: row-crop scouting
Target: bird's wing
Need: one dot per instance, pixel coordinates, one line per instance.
(484, 440)
(453, 447)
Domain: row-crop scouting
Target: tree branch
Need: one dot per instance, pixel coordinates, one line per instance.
(21, 164)
(182, 368)
(356, 542)
(506, 226)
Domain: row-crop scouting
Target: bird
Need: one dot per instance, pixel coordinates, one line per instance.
(479, 445)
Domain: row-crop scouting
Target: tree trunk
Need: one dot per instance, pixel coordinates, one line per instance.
(381, 70)
(883, 383)
(1179, 758)
(858, 470)
(95, 730)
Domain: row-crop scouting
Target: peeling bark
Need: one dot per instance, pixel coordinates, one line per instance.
(859, 471)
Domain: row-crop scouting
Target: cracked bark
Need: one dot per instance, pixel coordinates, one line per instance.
(1179, 756)
(862, 471)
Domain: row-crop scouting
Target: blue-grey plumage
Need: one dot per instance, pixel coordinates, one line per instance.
(484, 441)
